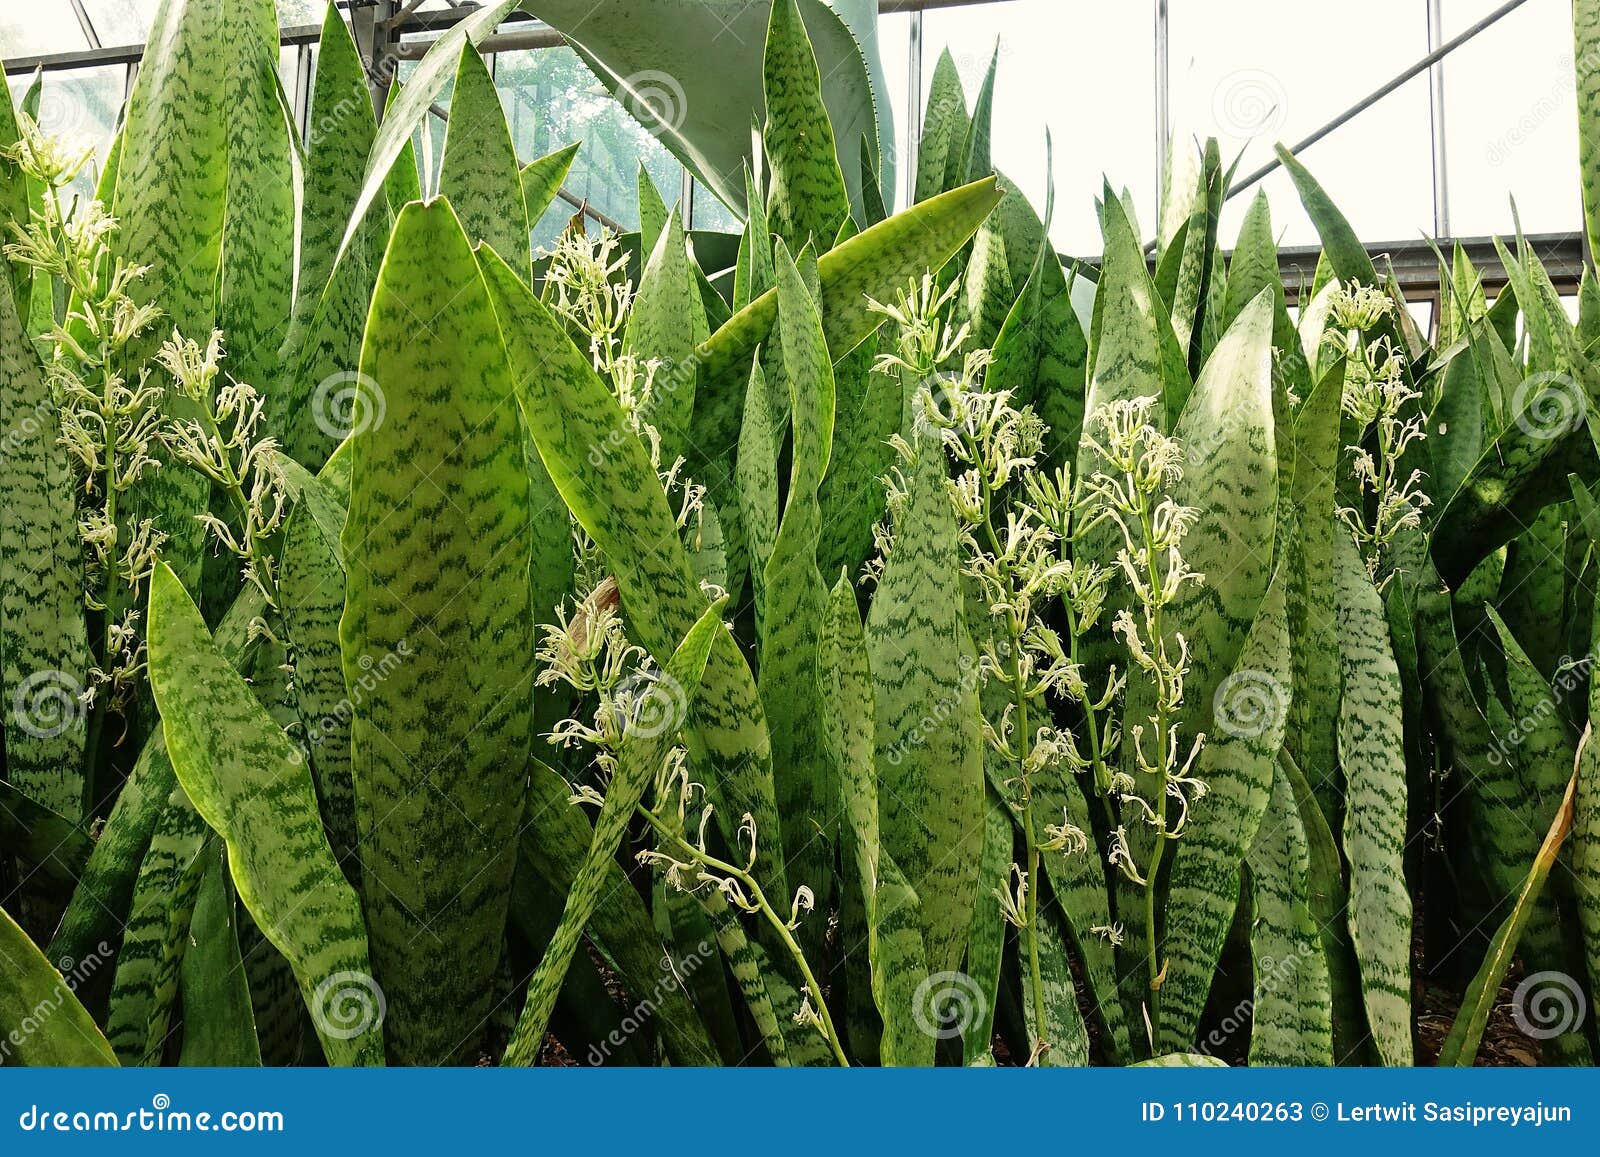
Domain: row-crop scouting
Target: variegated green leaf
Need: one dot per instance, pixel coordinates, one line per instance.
(479, 170)
(542, 180)
(437, 549)
(986, 937)
(252, 786)
(44, 653)
(667, 324)
(219, 1028)
(68, 1036)
(1236, 765)
(1371, 748)
(807, 198)
(757, 477)
(929, 753)
(944, 132)
(1063, 1029)
(1291, 1021)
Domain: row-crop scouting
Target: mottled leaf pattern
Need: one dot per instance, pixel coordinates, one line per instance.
(667, 324)
(807, 200)
(28, 982)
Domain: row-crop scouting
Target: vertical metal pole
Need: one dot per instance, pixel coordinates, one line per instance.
(913, 131)
(1441, 182)
(302, 90)
(686, 195)
(1163, 101)
(375, 41)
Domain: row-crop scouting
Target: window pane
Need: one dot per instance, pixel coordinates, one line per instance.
(293, 13)
(37, 29)
(552, 99)
(1511, 121)
(1083, 71)
(1273, 72)
(120, 22)
(894, 45)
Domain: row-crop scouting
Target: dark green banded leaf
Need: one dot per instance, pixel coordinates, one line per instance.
(1181, 1061)
(894, 945)
(868, 411)
(757, 474)
(929, 757)
(44, 654)
(944, 132)
(219, 1028)
(638, 761)
(1291, 1021)
(479, 172)
(157, 930)
(807, 199)
(311, 598)
(252, 786)
(875, 262)
(986, 938)
(542, 180)
(668, 324)
(437, 549)
(1466, 1033)
(606, 479)
(1063, 1032)
(1236, 765)
(1372, 749)
(652, 212)
(42, 1021)
(555, 843)
(796, 598)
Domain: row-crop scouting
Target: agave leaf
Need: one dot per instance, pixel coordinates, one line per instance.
(1292, 1022)
(1236, 765)
(479, 172)
(555, 843)
(68, 1036)
(219, 1028)
(437, 548)
(894, 944)
(668, 323)
(542, 180)
(796, 598)
(44, 654)
(1466, 1033)
(654, 63)
(252, 786)
(1371, 747)
(929, 752)
(807, 200)
(944, 132)
(605, 477)
(638, 761)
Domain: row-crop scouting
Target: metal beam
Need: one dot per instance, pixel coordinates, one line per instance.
(1380, 92)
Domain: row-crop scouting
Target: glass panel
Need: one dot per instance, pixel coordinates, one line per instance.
(710, 213)
(551, 100)
(121, 22)
(894, 45)
(1084, 72)
(294, 13)
(81, 107)
(1511, 122)
(37, 29)
(1233, 78)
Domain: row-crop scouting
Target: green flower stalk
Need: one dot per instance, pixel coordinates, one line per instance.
(1133, 492)
(108, 423)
